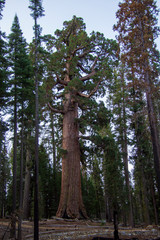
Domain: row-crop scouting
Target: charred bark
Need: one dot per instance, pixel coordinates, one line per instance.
(71, 204)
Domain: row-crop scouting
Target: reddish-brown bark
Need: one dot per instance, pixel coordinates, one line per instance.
(71, 204)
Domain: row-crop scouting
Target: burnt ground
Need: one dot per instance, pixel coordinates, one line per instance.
(58, 228)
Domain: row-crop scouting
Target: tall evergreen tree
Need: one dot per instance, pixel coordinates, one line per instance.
(143, 157)
(137, 29)
(80, 65)
(3, 78)
(119, 105)
(37, 11)
(19, 91)
(3, 61)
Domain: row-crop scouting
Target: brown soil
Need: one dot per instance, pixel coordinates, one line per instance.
(58, 228)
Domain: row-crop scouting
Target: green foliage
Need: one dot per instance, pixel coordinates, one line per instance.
(137, 23)
(4, 178)
(113, 177)
(21, 82)
(2, 4)
(79, 63)
(36, 8)
(45, 186)
(3, 69)
(90, 197)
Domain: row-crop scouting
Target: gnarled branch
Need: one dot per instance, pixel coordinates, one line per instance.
(91, 93)
(63, 82)
(87, 77)
(82, 68)
(55, 109)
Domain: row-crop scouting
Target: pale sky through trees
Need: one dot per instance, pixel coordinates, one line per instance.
(98, 15)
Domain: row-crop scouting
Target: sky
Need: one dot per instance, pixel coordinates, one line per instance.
(98, 15)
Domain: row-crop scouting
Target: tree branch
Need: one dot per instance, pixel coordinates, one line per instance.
(91, 93)
(82, 68)
(87, 77)
(94, 63)
(54, 109)
(84, 54)
(61, 81)
(78, 48)
(85, 137)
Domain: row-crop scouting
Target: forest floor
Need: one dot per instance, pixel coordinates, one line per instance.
(58, 229)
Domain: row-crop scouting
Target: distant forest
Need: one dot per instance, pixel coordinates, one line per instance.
(80, 119)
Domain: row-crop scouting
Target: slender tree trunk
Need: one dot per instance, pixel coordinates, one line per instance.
(153, 130)
(140, 159)
(54, 158)
(71, 204)
(13, 220)
(125, 157)
(154, 201)
(1, 139)
(108, 208)
(36, 171)
(151, 113)
(145, 199)
(126, 172)
(21, 184)
(26, 197)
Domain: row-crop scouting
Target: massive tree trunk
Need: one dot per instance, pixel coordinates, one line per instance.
(71, 204)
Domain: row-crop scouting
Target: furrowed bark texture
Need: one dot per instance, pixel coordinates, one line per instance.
(71, 204)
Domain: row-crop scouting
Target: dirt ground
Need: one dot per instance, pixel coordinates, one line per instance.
(58, 228)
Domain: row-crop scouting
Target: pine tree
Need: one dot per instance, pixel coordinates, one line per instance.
(137, 33)
(120, 108)
(20, 84)
(143, 157)
(3, 77)
(3, 64)
(37, 11)
(79, 65)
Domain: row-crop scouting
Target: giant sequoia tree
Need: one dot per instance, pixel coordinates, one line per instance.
(80, 66)
(137, 31)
